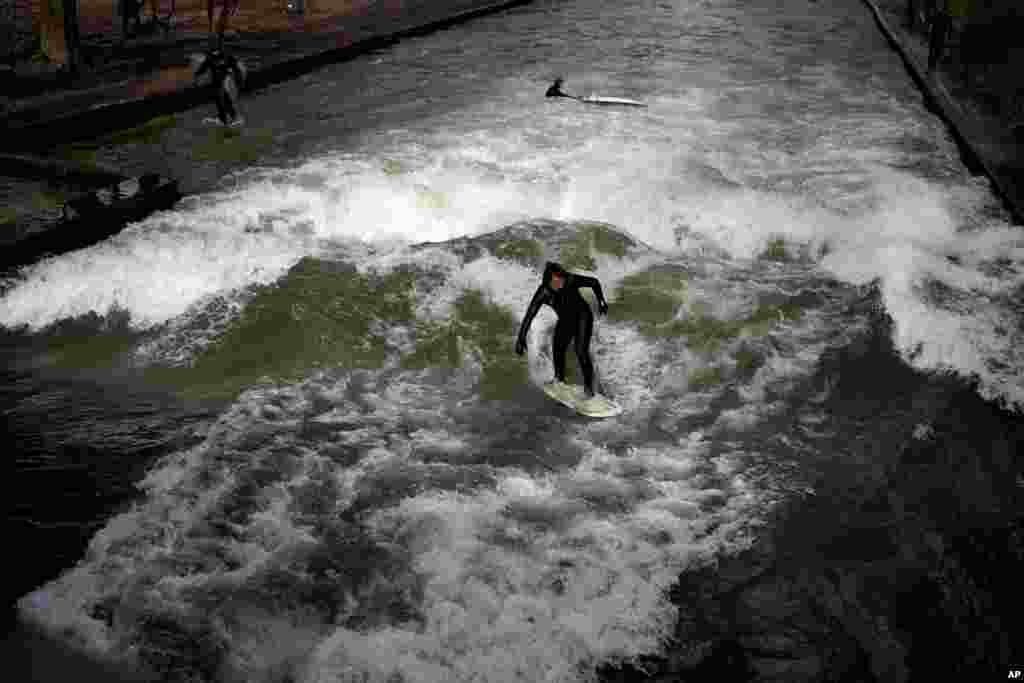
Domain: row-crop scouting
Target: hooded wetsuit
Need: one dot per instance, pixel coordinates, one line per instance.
(556, 90)
(575, 320)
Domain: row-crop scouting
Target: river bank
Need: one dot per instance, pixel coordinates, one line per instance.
(132, 91)
(126, 82)
(986, 123)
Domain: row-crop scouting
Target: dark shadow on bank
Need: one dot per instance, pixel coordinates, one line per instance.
(100, 203)
(901, 563)
(80, 117)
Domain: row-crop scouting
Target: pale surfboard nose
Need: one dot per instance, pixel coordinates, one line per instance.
(574, 397)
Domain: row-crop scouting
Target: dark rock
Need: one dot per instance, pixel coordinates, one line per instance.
(93, 216)
(904, 565)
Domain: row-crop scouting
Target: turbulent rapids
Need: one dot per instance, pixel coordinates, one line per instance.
(416, 506)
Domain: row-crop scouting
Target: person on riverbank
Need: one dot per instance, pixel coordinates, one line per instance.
(227, 75)
(937, 37)
(950, 15)
(228, 8)
(560, 290)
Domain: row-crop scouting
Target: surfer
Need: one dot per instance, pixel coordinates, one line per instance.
(226, 76)
(556, 90)
(560, 290)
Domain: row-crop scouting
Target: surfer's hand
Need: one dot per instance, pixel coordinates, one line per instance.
(520, 346)
(602, 307)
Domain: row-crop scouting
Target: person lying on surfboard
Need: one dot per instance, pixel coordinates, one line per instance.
(556, 90)
(560, 290)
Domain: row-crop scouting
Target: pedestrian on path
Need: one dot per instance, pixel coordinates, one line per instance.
(950, 13)
(228, 8)
(937, 37)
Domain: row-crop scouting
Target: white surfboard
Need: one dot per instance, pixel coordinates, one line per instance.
(620, 101)
(573, 396)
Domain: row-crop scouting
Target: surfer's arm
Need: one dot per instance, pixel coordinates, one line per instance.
(580, 281)
(592, 282)
(539, 297)
(236, 68)
(203, 68)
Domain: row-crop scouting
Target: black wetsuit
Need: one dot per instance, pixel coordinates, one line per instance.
(575, 322)
(226, 78)
(556, 91)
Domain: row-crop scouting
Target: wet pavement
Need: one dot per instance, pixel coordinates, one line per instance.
(128, 83)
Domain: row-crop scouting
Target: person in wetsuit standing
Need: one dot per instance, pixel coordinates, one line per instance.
(226, 77)
(560, 290)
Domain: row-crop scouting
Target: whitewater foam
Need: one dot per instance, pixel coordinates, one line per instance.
(520, 576)
(490, 558)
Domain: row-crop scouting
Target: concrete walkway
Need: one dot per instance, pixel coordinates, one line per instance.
(134, 82)
(157, 77)
(988, 144)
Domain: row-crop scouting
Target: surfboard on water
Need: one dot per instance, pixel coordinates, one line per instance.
(600, 407)
(620, 101)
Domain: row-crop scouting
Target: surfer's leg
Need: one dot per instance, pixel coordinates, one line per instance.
(223, 113)
(230, 98)
(584, 329)
(563, 335)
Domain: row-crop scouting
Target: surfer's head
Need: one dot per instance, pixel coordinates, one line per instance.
(554, 275)
(556, 89)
